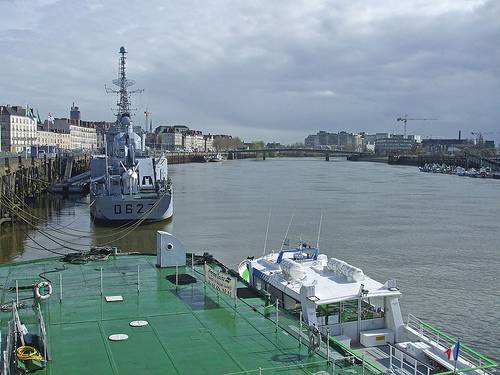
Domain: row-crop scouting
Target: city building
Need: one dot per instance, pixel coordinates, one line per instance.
(60, 139)
(195, 137)
(342, 140)
(170, 139)
(18, 127)
(311, 141)
(393, 145)
(357, 142)
(209, 142)
(433, 146)
(180, 137)
(83, 134)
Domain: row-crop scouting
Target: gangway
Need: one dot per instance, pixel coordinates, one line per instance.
(78, 184)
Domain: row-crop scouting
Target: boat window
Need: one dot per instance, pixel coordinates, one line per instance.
(258, 283)
(349, 311)
(372, 308)
(290, 303)
(275, 294)
(330, 312)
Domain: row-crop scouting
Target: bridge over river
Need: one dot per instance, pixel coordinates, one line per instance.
(302, 151)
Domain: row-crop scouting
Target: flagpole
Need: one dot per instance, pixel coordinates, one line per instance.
(457, 349)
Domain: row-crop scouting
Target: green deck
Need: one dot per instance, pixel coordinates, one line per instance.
(191, 330)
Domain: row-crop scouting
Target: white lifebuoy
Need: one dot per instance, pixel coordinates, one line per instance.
(47, 288)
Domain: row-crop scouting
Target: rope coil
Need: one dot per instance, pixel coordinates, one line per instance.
(26, 353)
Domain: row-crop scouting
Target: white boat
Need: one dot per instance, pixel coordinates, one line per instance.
(215, 158)
(354, 310)
(472, 173)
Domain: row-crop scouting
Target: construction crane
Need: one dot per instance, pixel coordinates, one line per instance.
(405, 119)
(147, 113)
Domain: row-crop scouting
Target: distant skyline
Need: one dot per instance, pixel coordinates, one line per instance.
(270, 70)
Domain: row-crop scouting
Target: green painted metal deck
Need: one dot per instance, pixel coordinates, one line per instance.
(192, 329)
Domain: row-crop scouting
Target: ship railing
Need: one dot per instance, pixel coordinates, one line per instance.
(398, 364)
(295, 366)
(327, 346)
(42, 331)
(476, 361)
(7, 353)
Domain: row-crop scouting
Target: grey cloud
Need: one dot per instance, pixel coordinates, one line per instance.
(264, 69)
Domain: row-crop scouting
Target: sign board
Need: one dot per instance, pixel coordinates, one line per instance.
(220, 281)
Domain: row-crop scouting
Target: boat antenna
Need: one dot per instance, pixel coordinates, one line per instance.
(267, 231)
(319, 229)
(287, 229)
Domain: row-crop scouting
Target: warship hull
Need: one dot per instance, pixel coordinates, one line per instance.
(130, 208)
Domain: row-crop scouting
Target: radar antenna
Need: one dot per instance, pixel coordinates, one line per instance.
(123, 104)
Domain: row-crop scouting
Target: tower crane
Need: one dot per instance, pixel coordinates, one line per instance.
(405, 119)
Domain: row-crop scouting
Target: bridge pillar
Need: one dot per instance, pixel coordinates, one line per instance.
(263, 156)
(327, 156)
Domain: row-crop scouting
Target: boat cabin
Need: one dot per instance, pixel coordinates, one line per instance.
(337, 298)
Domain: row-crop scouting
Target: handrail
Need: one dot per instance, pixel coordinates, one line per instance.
(43, 332)
(467, 353)
(352, 353)
(261, 369)
(404, 366)
(7, 353)
(408, 354)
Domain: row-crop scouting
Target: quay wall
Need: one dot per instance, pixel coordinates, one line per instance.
(23, 178)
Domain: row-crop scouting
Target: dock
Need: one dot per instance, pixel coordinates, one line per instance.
(24, 178)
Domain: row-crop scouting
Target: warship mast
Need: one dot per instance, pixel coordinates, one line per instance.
(123, 103)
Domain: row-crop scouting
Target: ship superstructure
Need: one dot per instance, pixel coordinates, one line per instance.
(127, 184)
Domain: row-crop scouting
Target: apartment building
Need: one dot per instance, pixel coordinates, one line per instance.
(18, 128)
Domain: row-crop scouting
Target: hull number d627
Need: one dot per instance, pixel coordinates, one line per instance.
(132, 208)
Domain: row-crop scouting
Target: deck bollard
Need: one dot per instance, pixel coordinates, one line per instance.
(60, 288)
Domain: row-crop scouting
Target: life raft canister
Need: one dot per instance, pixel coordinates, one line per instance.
(43, 290)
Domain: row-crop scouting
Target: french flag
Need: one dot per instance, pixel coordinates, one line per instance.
(452, 352)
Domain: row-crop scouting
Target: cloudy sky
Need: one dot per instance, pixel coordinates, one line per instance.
(261, 69)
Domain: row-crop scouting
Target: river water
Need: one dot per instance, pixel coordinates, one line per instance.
(437, 235)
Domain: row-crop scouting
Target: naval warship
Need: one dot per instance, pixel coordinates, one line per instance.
(128, 184)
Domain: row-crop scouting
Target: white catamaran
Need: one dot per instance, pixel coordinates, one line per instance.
(352, 309)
